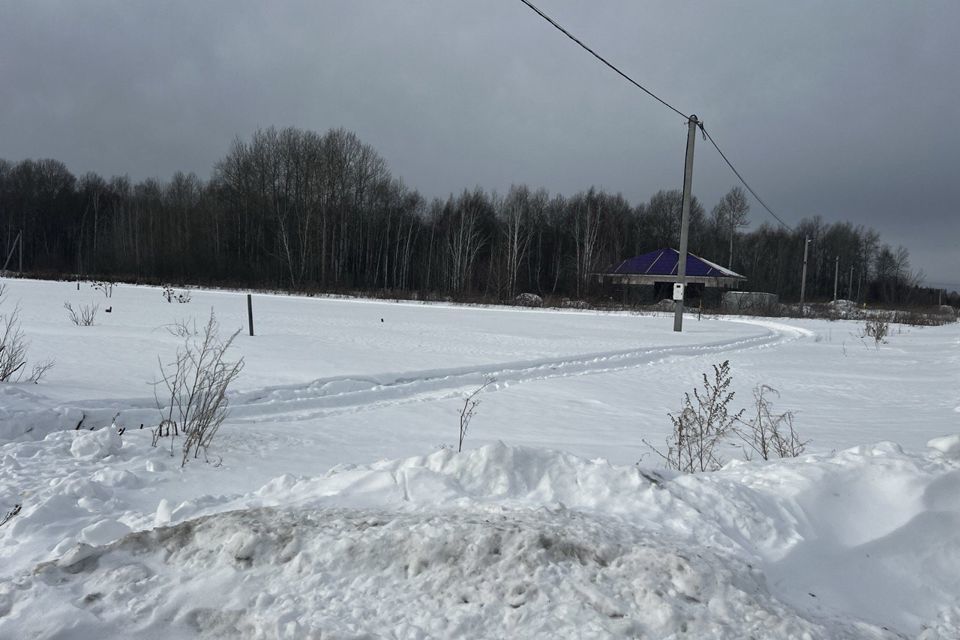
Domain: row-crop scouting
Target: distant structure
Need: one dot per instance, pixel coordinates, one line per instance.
(650, 277)
(750, 302)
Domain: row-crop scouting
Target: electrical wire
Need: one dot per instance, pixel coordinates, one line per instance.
(658, 99)
(737, 173)
(604, 60)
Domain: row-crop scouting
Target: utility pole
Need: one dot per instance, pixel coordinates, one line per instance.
(17, 243)
(850, 291)
(836, 276)
(803, 278)
(730, 258)
(684, 226)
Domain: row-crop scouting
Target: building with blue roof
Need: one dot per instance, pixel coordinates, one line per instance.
(651, 276)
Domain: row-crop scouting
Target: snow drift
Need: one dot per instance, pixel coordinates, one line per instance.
(520, 542)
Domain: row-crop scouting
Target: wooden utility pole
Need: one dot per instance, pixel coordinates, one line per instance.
(803, 278)
(684, 224)
(836, 276)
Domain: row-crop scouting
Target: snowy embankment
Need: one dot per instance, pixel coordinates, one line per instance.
(497, 542)
(114, 540)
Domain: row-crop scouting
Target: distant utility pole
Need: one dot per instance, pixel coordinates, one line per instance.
(17, 243)
(730, 258)
(803, 278)
(836, 276)
(684, 225)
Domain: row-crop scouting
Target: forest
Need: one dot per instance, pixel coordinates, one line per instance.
(296, 210)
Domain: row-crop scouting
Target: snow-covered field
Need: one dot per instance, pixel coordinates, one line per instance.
(339, 510)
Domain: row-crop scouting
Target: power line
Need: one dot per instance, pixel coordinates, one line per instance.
(737, 173)
(658, 99)
(604, 60)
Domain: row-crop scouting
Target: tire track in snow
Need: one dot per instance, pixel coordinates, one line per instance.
(347, 394)
(351, 394)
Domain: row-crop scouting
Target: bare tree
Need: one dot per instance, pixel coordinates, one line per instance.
(517, 230)
(586, 229)
(659, 221)
(730, 214)
(465, 238)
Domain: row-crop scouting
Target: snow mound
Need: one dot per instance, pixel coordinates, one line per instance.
(499, 542)
(947, 445)
(494, 474)
(362, 573)
(103, 532)
(20, 419)
(25, 414)
(95, 445)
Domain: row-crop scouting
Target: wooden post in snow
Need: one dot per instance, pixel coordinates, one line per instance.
(250, 312)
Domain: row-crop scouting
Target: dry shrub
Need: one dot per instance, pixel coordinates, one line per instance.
(103, 286)
(768, 434)
(13, 348)
(84, 316)
(705, 422)
(196, 385)
(470, 404)
(701, 425)
(878, 329)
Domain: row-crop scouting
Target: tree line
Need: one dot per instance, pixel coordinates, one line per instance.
(294, 209)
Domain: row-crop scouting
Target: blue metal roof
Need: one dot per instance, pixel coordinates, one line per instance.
(663, 262)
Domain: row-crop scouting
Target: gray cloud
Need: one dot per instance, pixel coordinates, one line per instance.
(835, 109)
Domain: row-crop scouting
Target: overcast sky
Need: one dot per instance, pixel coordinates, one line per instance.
(839, 109)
